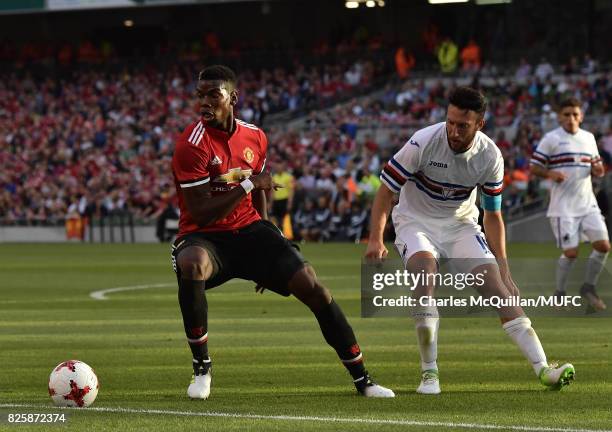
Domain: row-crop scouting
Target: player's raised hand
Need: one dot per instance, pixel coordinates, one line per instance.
(376, 251)
(556, 176)
(264, 181)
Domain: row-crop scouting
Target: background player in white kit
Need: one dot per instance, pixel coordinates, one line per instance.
(437, 174)
(568, 156)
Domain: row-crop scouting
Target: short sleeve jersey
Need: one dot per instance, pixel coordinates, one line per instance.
(573, 155)
(438, 185)
(208, 155)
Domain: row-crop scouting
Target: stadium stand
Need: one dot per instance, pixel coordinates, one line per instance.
(86, 131)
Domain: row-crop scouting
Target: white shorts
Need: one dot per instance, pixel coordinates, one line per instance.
(465, 241)
(568, 230)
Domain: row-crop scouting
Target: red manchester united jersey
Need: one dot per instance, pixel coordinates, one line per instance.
(208, 155)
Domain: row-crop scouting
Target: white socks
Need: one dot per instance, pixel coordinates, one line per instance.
(564, 267)
(594, 267)
(519, 329)
(427, 321)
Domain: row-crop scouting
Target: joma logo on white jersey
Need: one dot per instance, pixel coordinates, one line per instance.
(438, 164)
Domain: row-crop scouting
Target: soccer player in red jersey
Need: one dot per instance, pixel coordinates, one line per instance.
(218, 167)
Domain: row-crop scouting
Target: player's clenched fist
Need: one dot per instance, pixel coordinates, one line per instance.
(556, 176)
(376, 251)
(264, 181)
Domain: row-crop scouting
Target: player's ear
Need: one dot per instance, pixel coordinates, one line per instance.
(234, 97)
(480, 123)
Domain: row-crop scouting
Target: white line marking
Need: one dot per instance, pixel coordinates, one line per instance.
(101, 294)
(313, 418)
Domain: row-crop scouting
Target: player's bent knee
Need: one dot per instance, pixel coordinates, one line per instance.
(571, 253)
(602, 246)
(311, 271)
(422, 262)
(194, 264)
(493, 284)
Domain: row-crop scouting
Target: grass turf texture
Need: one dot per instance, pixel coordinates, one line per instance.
(268, 354)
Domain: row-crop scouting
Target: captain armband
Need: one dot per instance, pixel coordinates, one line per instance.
(491, 203)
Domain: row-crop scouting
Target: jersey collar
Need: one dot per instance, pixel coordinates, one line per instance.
(221, 133)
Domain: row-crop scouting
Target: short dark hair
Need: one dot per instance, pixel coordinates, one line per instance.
(570, 102)
(468, 98)
(218, 72)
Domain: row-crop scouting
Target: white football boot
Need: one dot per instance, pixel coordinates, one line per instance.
(556, 377)
(368, 388)
(200, 380)
(430, 383)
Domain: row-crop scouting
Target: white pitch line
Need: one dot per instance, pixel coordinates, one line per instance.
(101, 294)
(370, 421)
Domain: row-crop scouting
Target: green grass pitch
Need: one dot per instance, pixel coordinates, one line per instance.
(272, 370)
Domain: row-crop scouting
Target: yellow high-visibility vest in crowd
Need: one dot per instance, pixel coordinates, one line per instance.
(284, 179)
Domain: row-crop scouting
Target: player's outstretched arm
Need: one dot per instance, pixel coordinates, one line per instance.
(206, 208)
(545, 173)
(495, 232)
(383, 203)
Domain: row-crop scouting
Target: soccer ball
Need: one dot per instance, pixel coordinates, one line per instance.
(73, 384)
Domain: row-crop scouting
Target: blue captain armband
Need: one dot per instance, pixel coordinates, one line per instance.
(491, 203)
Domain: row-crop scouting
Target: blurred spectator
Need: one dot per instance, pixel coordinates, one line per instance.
(524, 70)
(544, 70)
(589, 65)
(404, 62)
(548, 119)
(282, 198)
(448, 55)
(470, 57)
(167, 223)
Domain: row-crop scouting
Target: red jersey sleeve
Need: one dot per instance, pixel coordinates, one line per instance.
(190, 161)
(263, 148)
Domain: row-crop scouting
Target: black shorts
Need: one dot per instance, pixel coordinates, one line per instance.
(258, 252)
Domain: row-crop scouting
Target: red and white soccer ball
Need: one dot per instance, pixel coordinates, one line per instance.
(73, 384)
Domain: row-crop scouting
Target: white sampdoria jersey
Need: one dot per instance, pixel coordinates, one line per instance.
(572, 155)
(438, 186)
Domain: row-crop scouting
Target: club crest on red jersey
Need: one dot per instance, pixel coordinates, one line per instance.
(248, 154)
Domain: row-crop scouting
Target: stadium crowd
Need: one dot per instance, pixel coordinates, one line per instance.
(97, 140)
